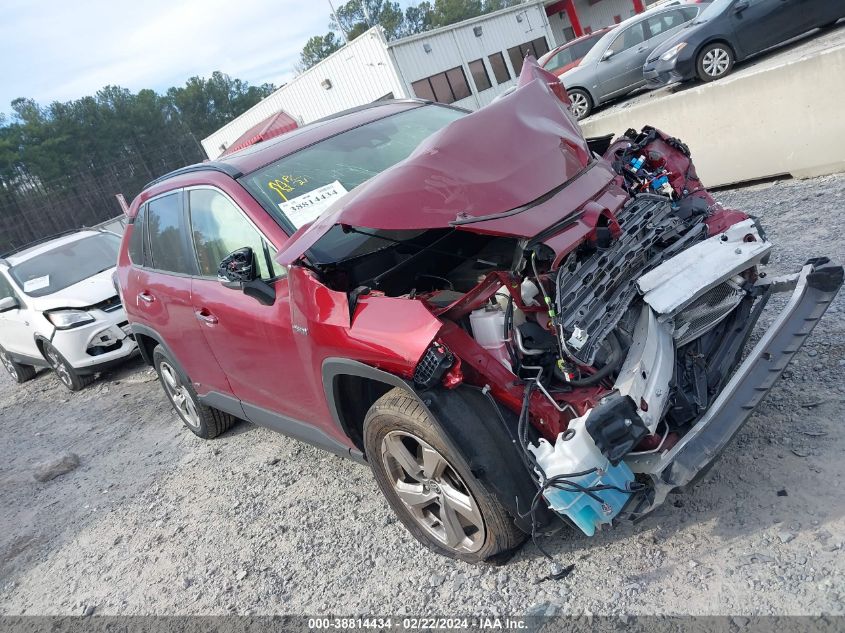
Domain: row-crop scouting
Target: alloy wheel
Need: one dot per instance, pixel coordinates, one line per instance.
(716, 62)
(8, 364)
(179, 395)
(58, 366)
(579, 105)
(437, 497)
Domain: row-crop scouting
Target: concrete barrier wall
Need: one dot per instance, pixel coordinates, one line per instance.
(789, 119)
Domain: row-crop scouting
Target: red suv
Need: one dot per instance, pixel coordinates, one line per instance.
(509, 328)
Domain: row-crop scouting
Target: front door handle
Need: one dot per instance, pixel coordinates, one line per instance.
(206, 317)
(146, 297)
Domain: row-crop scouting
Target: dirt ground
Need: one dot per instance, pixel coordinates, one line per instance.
(157, 521)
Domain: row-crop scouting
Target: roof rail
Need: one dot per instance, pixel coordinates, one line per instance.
(42, 240)
(213, 165)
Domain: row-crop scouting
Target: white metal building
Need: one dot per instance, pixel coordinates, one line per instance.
(467, 63)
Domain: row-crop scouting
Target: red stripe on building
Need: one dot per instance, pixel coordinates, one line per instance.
(569, 7)
(639, 7)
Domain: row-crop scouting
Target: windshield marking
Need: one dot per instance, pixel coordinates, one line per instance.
(287, 184)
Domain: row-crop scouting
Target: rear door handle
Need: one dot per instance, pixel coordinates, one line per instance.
(146, 297)
(206, 317)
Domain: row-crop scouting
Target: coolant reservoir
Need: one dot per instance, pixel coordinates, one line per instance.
(574, 451)
(488, 330)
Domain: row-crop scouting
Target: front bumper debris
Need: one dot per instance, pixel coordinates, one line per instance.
(813, 289)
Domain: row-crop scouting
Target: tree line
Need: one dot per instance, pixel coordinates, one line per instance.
(61, 165)
(353, 18)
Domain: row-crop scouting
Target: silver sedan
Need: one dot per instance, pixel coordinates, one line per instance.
(614, 66)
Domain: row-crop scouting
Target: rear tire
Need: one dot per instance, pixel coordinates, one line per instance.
(19, 373)
(201, 420)
(715, 61)
(64, 371)
(582, 103)
(441, 504)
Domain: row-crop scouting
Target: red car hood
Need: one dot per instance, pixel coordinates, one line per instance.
(503, 156)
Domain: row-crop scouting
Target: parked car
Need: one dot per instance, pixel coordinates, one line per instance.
(614, 66)
(59, 309)
(729, 31)
(558, 60)
(504, 337)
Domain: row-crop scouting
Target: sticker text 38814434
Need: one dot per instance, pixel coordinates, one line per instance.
(308, 207)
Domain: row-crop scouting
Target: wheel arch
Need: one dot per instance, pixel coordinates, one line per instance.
(589, 92)
(351, 388)
(40, 339)
(715, 39)
(147, 340)
(469, 421)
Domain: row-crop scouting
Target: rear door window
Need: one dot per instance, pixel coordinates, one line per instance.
(219, 227)
(166, 230)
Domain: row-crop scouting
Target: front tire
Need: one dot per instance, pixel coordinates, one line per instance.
(19, 373)
(65, 372)
(715, 61)
(582, 103)
(201, 420)
(429, 487)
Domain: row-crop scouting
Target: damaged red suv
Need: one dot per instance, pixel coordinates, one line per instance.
(510, 324)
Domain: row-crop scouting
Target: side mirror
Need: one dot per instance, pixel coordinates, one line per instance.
(9, 303)
(237, 268)
(607, 55)
(742, 5)
(239, 271)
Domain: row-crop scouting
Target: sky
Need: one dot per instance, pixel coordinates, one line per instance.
(61, 50)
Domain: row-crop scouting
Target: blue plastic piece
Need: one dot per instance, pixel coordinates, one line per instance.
(583, 510)
(657, 184)
(637, 163)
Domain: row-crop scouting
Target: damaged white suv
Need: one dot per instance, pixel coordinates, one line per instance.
(59, 309)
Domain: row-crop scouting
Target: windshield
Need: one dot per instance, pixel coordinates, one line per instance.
(298, 188)
(711, 11)
(66, 265)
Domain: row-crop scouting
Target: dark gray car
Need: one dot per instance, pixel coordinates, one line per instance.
(614, 66)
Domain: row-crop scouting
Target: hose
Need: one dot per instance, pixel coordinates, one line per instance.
(616, 357)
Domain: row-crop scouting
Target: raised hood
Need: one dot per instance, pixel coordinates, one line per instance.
(503, 156)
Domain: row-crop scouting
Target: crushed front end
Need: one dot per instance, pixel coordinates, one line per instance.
(603, 304)
(620, 339)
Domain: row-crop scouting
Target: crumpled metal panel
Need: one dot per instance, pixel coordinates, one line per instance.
(676, 283)
(503, 156)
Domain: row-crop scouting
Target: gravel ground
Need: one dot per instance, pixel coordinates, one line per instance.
(156, 521)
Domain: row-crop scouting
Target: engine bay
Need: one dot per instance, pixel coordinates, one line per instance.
(609, 334)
